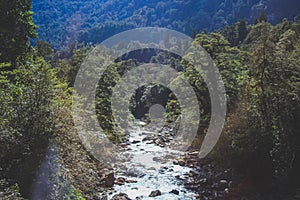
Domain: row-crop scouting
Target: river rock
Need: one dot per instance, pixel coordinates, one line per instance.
(120, 181)
(131, 181)
(181, 162)
(175, 192)
(108, 179)
(135, 141)
(155, 193)
(121, 196)
(147, 138)
(123, 145)
(195, 153)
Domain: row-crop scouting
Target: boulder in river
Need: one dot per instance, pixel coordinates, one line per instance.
(120, 181)
(135, 141)
(155, 193)
(120, 196)
(147, 138)
(175, 192)
(108, 179)
(131, 181)
(181, 162)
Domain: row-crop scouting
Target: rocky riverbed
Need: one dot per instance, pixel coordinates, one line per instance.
(149, 169)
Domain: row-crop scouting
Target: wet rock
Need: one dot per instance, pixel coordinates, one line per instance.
(131, 181)
(108, 179)
(195, 153)
(123, 145)
(147, 138)
(161, 171)
(120, 181)
(175, 192)
(169, 157)
(134, 173)
(191, 161)
(147, 133)
(135, 141)
(155, 193)
(121, 196)
(157, 159)
(150, 142)
(177, 177)
(181, 162)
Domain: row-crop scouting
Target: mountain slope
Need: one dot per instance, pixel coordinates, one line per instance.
(62, 22)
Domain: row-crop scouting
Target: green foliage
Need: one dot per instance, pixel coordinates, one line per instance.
(30, 96)
(259, 64)
(272, 104)
(27, 94)
(67, 68)
(44, 50)
(8, 191)
(103, 103)
(236, 33)
(16, 28)
(63, 22)
(75, 194)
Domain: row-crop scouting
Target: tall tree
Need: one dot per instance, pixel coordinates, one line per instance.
(16, 28)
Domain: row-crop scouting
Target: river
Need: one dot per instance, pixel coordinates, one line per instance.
(147, 167)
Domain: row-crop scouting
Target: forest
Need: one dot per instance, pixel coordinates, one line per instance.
(255, 46)
(95, 20)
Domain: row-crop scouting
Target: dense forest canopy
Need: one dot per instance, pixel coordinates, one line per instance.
(62, 22)
(255, 45)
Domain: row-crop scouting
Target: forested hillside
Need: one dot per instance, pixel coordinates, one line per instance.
(62, 22)
(255, 46)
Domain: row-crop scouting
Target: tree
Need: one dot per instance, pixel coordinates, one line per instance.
(44, 50)
(236, 33)
(16, 28)
(263, 17)
(268, 143)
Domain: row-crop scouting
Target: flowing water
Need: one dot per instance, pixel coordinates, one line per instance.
(148, 167)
